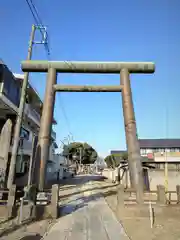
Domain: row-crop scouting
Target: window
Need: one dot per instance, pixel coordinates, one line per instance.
(162, 166)
(24, 133)
(18, 163)
(143, 151)
(161, 150)
(158, 166)
(49, 170)
(172, 150)
(26, 166)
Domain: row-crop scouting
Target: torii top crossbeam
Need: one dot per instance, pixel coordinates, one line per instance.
(87, 67)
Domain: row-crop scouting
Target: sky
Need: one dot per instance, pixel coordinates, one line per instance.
(116, 30)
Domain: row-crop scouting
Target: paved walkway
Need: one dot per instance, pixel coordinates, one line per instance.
(87, 217)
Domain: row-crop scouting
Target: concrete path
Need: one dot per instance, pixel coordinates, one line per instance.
(87, 217)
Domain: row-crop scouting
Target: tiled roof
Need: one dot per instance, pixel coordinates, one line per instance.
(154, 143)
(118, 151)
(159, 143)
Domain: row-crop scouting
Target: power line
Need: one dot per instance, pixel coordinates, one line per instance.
(40, 26)
(64, 112)
(38, 21)
(35, 9)
(41, 23)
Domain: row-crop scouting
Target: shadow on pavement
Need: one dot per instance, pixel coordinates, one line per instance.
(83, 201)
(70, 208)
(32, 237)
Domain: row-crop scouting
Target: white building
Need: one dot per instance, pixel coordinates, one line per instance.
(157, 152)
(152, 146)
(10, 92)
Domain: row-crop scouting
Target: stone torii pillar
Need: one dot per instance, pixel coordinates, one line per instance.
(134, 156)
(44, 138)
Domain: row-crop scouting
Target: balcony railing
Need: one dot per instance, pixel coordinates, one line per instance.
(26, 147)
(32, 114)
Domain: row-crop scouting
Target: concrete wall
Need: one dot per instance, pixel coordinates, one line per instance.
(157, 177)
(152, 178)
(110, 174)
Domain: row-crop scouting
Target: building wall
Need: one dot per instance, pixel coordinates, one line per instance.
(158, 177)
(51, 172)
(10, 86)
(54, 167)
(152, 178)
(145, 151)
(110, 174)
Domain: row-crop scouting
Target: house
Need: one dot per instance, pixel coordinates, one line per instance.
(162, 160)
(10, 92)
(151, 146)
(158, 150)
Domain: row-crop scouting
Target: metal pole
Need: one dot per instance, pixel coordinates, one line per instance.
(134, 157)
(80, 158)
(20, 116)
(80, 155)
(166, 171)
(46, 124)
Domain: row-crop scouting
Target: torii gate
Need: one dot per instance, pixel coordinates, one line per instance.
(122, 68)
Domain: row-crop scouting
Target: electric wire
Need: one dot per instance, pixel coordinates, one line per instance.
(39, 23)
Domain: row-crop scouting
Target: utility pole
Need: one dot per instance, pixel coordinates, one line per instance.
(32, 158)
(80, 155)
(80, 158)
(20, 115)
(166, 171)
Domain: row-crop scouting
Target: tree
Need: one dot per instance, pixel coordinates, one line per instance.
(124, 156)
(75, 149)
(113, 160)
(108, 161)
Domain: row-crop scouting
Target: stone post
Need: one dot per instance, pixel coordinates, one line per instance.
(178, 193)
(54, 201)
(161, 195)
(120, 196)
(11, 201)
